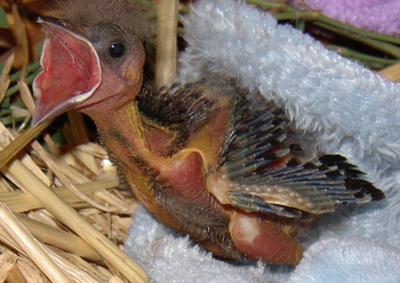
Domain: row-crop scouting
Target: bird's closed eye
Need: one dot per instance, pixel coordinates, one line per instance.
(116, 50)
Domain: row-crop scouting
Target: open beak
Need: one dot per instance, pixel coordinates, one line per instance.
(71, 71)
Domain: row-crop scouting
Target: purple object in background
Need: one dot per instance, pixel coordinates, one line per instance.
(382, 16)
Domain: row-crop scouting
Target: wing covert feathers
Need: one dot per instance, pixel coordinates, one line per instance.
(182, 108)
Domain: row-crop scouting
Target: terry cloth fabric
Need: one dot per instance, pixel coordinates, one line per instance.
(337, 105)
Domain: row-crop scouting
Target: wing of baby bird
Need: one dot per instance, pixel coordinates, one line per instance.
(266, 176)
(209, 159)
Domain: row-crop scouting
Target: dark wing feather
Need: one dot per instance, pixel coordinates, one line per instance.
(266, 177)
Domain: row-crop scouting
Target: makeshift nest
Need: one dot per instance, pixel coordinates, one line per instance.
(45, 184)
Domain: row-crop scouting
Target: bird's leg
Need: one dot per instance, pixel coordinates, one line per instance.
(262, 239)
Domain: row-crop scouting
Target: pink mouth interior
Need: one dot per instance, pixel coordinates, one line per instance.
(71, 73)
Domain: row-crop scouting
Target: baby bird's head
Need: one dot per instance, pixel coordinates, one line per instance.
(92, 57)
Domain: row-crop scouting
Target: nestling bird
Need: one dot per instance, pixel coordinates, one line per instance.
(210, 159)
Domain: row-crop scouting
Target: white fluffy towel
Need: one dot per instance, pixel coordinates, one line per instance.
(339, 105)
